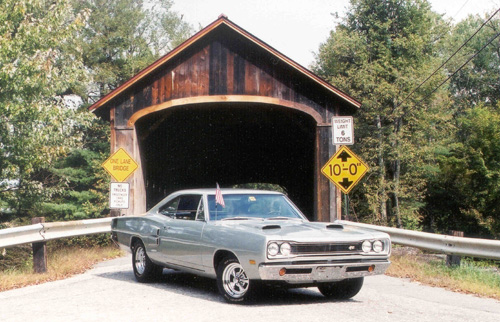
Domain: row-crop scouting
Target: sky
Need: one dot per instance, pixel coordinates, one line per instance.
(296, 28)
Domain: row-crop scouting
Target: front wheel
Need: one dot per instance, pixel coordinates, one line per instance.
(144, 269)
(341, 290)
(232, 281)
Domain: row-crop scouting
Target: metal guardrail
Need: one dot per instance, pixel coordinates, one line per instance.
(450, 245)
(53, 230)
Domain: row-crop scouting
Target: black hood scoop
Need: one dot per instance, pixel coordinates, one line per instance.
(266, 227)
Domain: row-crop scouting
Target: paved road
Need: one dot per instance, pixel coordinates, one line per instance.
(109, 292)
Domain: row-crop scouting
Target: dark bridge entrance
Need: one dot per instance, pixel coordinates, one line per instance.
(229, 143)
(225, 107)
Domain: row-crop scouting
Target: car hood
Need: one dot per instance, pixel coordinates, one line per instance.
(302, 231)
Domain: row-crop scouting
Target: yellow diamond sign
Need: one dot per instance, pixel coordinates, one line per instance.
(120, 165)
(344, 169)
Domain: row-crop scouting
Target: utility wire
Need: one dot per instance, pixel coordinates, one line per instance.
(458, 11)
(456, 71)
(453, 55)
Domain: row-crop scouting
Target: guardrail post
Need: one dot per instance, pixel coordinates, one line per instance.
(39, 251)
(454, 260)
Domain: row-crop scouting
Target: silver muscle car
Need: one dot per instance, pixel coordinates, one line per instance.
(247, 236)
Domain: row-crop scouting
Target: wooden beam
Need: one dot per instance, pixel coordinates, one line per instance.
(225, 99)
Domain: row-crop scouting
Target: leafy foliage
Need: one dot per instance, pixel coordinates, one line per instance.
(51, 155)
(35, 128)
(465, 194)
(378, 53)
(122, 37)
(479, 81)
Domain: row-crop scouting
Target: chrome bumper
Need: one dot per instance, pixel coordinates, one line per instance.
(298, 273)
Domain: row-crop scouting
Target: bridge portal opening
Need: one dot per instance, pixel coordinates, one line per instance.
(195, 146)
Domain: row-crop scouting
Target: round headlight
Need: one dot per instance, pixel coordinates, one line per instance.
(378, 246)
(285, 249)
(366, 246)
(273, 249)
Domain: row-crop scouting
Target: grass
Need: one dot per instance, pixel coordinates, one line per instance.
(62, 263)
(479, 278)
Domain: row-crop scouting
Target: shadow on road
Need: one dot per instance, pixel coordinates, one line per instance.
(206, 288)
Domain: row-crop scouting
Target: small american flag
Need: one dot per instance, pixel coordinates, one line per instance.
(218, 197)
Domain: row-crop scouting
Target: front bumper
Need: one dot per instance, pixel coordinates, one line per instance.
(304, 273)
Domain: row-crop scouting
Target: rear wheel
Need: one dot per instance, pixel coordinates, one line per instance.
(341, 290)
(144, 269)
(232, 281)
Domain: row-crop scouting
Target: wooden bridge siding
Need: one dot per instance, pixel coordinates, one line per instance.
(127, 138)
(216, 70)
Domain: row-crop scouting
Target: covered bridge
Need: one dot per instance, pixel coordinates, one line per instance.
(226, 107)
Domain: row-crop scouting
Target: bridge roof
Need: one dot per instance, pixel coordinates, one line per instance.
(222, 22)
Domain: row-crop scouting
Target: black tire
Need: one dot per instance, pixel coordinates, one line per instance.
(341, 290)
(144, 269)
(232, 281)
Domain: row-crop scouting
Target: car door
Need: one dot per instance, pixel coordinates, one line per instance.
(181, 236)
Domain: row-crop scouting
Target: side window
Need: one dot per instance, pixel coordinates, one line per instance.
(188, 207)
(169, 209)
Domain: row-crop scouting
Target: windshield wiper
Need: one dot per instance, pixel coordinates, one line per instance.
(279, 218)
(237, 218)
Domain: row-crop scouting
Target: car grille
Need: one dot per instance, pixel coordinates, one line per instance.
(326, 248)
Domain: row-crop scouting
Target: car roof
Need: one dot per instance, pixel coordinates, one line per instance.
(226, 191)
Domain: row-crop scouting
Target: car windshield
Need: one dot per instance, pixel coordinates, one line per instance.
(252, 206)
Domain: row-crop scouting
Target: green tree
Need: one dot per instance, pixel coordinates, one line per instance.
(85, 184)
(122, 37)
(465, 193)
(479, 80)
(379, 53)
(35, 70)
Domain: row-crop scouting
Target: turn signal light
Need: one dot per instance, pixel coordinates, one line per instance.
(371, 268)
(282, 271)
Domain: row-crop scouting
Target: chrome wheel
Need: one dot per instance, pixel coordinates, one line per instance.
(140, 260)
(235, 281)
(144, 269)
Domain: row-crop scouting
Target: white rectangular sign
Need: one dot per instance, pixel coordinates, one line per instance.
(343, 130)
(119, 195)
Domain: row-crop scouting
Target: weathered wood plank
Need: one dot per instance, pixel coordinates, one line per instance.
(250, 79)
(230, 72)
(194, 74)
(168, 84)
(154, 93)
(214, 68)
(239, 75)
(204, 71)
(161, 89)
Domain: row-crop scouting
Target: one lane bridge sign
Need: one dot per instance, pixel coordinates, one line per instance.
(344, 169)
(120, 165)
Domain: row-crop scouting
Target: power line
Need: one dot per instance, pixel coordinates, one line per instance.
(453, 55)
(462, 66)
(458, 11)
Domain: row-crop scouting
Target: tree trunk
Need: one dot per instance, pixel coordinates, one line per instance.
(397, 170)
(382, 194)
